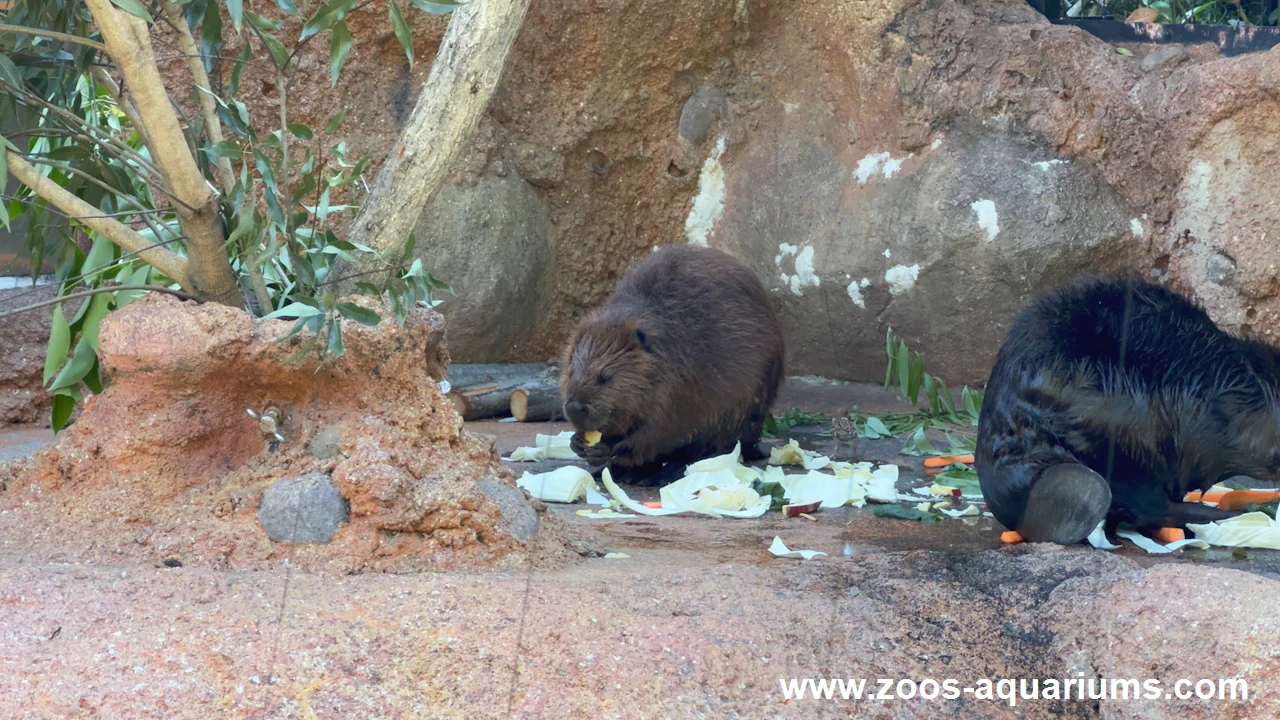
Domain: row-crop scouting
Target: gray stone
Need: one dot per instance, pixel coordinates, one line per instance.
(522, 520)
(302, 510)
(493, 242)
(944, 246)
(1220, 269)
(701, 112)
(326, 443)
(541, 167)
(1168, 55)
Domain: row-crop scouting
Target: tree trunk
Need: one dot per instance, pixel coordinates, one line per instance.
(463, 78)
(129, 45)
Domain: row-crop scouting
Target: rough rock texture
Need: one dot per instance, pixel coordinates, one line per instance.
(662, 634)
(306, 509)
(1082, 158)
(23, 340)
(167, 462)
(494, 242)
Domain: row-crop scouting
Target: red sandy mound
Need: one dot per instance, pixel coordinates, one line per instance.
(168, 464)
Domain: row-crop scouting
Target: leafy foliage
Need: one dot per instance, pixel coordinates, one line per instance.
(283, 219)
(790, 418)
(1214, 12)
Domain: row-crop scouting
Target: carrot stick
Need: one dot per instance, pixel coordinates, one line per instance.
(945, 461)
(655, 504)
(1169, 534)
(1011, 537)
(1213, 497)
(1240, 499)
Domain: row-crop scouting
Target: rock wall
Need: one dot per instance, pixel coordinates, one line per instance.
(924, 165)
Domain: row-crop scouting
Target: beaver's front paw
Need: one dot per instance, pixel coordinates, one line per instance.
(598, 453)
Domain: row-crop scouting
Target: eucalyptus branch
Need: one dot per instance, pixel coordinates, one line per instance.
(158, 257)
(95, 291)
(124, 152)
(74, 39)
(204, 90)
(125, 104)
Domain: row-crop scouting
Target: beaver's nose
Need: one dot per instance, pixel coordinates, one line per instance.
(575, 411)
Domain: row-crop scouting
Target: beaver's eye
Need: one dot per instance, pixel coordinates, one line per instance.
(605, 377)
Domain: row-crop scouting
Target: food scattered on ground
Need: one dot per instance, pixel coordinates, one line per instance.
(971, 511)
(780, 549)
(547, 447)
(905, 513)
(1012, 537)
(793, 454)
(568, 484)
(591, 437)
(1250, 530)
(794, 510)
(604, 514)
(1155, 548)
(941, 462)
(616, 556)
(1170, 534)
(1241, 499)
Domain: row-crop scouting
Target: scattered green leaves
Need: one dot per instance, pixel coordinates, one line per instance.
(339, 48)
(898, 512)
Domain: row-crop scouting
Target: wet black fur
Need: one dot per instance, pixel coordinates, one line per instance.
(1189, 405)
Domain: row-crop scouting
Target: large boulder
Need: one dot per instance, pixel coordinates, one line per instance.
(493, 242)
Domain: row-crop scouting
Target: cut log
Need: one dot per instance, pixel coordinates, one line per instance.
(537, 403)
(487, 391)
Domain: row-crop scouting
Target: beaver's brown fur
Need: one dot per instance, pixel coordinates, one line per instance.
(682, 362)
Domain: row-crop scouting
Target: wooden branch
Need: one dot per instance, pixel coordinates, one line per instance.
(74, 39)
(537, 403)
(213, 128)
(204, 89)
(463, 78)
(129, 45)
(162, 259)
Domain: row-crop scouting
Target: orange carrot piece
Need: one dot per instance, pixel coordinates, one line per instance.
(655, 504)
(1213, 497)
(945, 461)
(1240, 499)
(1011, 537)
(1169, 534)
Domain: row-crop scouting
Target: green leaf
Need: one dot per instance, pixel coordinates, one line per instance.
(237, 68)
(904, 367)
(327, 16)
(916, 379)
(409, 244)
(82, 361)
(9, 72)
(262, 23)
(339, 48)
(225, 149)
(1125, 52)
(235, 8)
(875, 428)
(59, 345)
(102, 252)
(279, 55)
(210, 34)
(288, 7)
(442, 7)
(919, 444)
(63, 406)
(962, 477)
(364, 316)
(133, 7)
(401, 29)
(336, 348)
(335, 121)
(898, 512)
(99, 306)
(295, 310)
(300, 131)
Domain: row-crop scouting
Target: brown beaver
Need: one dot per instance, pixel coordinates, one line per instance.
(682, 362)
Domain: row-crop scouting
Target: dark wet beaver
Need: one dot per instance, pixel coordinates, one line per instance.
(1113, 398)
(682, 362)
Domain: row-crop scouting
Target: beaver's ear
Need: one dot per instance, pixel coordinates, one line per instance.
(642, 338)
